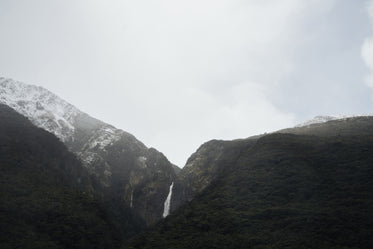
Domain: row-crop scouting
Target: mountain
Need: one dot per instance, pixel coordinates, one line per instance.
(124, 169)
(203, 166)
(46, 198)
(305, 187)
(310, 186)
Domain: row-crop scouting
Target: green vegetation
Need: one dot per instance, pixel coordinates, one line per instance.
(309, 189)
(46, 197)
(286, 191)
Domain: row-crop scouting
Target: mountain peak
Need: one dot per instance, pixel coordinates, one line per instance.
(42, 107)
(122, 166)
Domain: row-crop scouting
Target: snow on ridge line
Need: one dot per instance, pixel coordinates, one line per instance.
(42, 107)
(25, 92)
(52, 113)
(324, 119)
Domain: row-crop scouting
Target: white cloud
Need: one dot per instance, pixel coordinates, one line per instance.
(367, 54)
(204, 117)
(173, 73)
(369, 7)
(367, 48)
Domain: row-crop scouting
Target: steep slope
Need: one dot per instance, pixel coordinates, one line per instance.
(281, 191)
(124, 168)
(203, 166)
(46, 196)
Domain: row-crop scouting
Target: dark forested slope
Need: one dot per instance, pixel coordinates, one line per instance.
(46, 196)
(125, 170)
(283, 191)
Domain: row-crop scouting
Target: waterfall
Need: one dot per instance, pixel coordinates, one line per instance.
(167, 203)
(131, 205)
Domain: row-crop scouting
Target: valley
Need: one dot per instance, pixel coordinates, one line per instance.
(71, 181)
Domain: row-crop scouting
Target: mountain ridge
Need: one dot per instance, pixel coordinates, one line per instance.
(204, 165)
(326, 118)
(124, 168)
(46, 194)
(308, 187)
(125, 171)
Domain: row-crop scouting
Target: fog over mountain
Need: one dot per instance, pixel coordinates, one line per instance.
(171, 71)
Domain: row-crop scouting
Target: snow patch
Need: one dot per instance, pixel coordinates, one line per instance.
(324, 119)
(106, 135)
(88, 157)
(142, 161)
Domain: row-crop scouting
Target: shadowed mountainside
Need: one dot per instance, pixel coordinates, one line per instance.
(125, 170)
(280, 190)
(46, 196)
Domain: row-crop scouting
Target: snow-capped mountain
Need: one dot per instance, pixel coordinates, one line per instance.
(123, 167)
(42, 107)
(48, 111)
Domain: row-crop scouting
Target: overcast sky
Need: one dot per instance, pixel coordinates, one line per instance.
(177, 73)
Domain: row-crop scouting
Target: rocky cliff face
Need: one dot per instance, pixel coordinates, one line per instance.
(123, 167)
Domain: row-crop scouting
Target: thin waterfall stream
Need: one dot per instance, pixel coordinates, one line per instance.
(167, 203)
